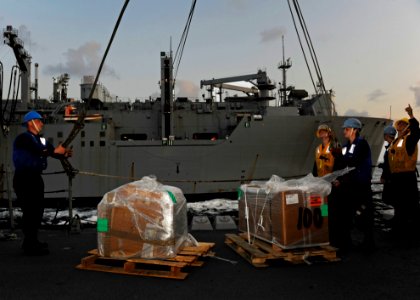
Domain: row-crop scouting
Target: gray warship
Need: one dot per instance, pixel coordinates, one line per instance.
(207, 147)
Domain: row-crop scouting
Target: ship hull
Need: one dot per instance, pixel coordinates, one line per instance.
(277, 144)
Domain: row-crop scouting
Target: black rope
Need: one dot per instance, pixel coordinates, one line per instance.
(55, 191)
(321, 88)
(15, 100)
(79, 124)
(1, 95)
(6, 120)
(310, 45)
(53, 173)
(80, 121)
(181, 45)
(301, 45)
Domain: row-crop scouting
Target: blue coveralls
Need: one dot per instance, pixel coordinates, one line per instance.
(30, 154)
(356, 205)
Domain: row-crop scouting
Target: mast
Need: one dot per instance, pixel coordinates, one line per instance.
(166, 90)
(36, 82)
(284, 65)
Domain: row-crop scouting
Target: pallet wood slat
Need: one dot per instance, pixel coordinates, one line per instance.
(188, 256)
(259, 253)
(243, 244)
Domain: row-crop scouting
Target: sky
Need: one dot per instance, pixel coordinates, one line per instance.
(368, 50)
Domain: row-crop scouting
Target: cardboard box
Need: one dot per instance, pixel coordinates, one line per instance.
(142, 223)
(289, 219)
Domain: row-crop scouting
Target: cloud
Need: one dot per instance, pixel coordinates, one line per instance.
(355, 113)
(375, 95)
(416, 90)
(82, 61)
(272, 34)
(187, 89)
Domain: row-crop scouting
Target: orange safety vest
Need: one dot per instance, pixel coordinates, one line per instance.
(324, 160)
(398, 158)
(69, 110)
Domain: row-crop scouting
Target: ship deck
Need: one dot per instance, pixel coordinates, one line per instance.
(391, 272)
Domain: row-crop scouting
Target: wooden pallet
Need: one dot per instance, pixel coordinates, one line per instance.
(163, 268)
(260, 253)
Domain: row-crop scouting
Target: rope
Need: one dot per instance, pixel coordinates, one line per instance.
(310, 45)
(6, 120)
(163, 180)
(301, 46)
(56, 191)
(1, 95)
(183, 40)
(79, 124)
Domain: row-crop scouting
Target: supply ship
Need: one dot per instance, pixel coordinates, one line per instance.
(207, 147)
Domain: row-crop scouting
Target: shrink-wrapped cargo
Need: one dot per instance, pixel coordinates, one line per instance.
(290, 214)
(142, 219)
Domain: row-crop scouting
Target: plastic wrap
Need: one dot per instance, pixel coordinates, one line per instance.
(275, 184)
(142, 219)
(288, 213)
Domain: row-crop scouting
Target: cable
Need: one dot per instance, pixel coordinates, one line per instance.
(6, 120)
(310, 45)
(1, 95)
(320, 89)
(79, 124)
(180, 49)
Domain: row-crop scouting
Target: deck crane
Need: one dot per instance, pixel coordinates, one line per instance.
(261, 89)
(23, 59)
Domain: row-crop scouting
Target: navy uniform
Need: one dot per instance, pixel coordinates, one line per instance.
(356, 191)
(30, 152)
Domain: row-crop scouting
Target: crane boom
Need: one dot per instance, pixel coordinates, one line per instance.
(260, 76)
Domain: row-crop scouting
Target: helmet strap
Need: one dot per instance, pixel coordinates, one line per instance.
(404, 131)
(36, 127)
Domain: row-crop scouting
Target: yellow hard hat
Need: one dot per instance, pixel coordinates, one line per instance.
(405, 120)
(323, 127)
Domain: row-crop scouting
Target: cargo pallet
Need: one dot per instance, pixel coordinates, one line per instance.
(260, 253)
(163, 268)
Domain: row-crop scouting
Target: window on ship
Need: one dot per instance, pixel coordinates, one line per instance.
(133, 136)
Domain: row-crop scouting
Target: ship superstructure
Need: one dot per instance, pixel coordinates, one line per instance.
(207, 146)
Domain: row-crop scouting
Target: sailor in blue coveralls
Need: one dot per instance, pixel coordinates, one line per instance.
(30, 152)
(356, 191)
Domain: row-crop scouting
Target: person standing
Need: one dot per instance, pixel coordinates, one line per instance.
(30, 152)
(355, 186)
(387, 194)
(402, 156)
(325, 164)
(324, 158)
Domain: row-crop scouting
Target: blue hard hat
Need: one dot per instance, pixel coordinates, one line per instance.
(352, 123)
(390, 130)
(32, 115)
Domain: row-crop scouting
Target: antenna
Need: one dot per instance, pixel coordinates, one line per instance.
(284, 65)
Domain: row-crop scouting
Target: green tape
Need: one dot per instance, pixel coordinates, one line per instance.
(102, 225)
(324, 210)
(240, 193)
(172, 196)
